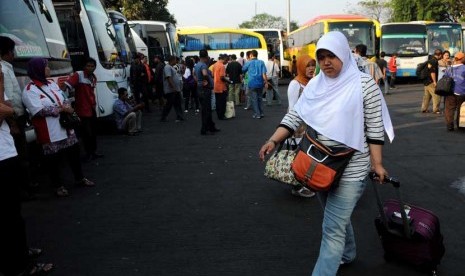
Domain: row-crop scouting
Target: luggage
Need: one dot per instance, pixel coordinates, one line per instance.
(230, 111)
(410, 234)
(462, 115)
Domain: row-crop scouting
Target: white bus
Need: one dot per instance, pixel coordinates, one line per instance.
(88, 32)
(276, 45)
(415, 41)
(34, 27)
(158, 37)
(221, 41)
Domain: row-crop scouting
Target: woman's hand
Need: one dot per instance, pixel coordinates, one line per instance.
(66, 109)
(380, 172)
(266, 149)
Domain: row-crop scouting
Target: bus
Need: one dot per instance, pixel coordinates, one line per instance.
(358, 30)
(89, 32)
(221, 41)
(158, 37)
(34, 27)
(415, 41)
(277, 46)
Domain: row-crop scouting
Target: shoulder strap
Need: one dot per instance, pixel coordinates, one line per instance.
(40, 88)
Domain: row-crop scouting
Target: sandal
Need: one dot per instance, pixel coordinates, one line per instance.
(303, 192)
(62, 192)
(39, 269)
(86, 183)
(34, 252)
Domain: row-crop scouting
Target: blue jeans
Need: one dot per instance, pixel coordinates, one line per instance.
(257, 104)
(338, 241)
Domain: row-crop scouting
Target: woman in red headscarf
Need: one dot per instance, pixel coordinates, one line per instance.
(305, 68)
(45, 101)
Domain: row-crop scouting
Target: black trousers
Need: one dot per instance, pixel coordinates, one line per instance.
(220, 99)
(205, 96)
(13, 244)
(173, 99)
(55, 162)
(89, 133)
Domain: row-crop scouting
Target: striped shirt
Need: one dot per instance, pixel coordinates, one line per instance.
(359, 165)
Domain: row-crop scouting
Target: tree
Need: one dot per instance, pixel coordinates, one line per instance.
(264, 20)
(375, 9)
(434, 10)
(142, 9)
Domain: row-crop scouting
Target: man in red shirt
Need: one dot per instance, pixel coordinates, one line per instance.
(84, 83)
(220, 86)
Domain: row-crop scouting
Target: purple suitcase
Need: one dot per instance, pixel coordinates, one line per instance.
(411, 234)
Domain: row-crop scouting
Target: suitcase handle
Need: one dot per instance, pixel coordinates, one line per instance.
(396, 184)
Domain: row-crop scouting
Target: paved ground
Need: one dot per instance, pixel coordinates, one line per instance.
(171, 202)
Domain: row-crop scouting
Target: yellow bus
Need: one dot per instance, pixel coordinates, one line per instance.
(357, 29)
(221, 41)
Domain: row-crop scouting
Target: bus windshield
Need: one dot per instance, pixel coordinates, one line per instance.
(102, 30)
(445, 37)
(356, 33)
(36, 32)
(405, 45)
(124, 40)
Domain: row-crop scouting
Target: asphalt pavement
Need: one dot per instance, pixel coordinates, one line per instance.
(171, 202)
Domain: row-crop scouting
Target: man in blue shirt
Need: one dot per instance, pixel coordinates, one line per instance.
(128, 118)
(256, 70)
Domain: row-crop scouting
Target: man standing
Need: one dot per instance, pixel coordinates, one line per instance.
(84, 83)
(172, 87)
(382, 64)
(219, 86)
(138, 78)
(204, 85)
(392, 67)
(234, 72)
(256, 71)
(128, 118)
(147, 90)
(430, 84)
(158, 65)
(272, 73)
(17, 123)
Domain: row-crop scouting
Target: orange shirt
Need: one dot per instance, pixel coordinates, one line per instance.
(219, 71)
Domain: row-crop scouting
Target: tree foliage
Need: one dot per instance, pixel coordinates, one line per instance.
(434, 10)
(142, 9)
(376, 9)
(264, 20)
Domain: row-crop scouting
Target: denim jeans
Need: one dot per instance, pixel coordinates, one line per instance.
(257, 104)
(338, 241)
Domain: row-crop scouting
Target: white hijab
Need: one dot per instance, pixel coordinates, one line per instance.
(334, 106)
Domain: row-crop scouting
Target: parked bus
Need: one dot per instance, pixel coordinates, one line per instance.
(221, 41)
(34, 27)
(357, 29)
(277, 46)
(89, 32)
(415, 41)
(159, 38)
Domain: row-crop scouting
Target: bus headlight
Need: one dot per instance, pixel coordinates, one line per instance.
(113, 86)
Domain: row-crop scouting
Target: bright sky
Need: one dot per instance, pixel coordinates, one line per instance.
(231, 13)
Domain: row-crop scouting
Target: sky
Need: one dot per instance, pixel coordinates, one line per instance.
(231, 13)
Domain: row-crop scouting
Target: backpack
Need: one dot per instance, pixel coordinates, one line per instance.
(422, 70)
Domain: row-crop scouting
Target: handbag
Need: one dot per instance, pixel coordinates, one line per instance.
(278, 167)
(67, 120)
(445, 86)
(318, 166)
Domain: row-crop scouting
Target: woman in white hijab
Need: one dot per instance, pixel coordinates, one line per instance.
(345, 107)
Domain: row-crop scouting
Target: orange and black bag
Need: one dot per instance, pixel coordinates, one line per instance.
(318, 166)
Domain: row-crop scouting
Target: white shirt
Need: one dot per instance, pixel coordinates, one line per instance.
(12, 89)
(270, 72)
(7, 145)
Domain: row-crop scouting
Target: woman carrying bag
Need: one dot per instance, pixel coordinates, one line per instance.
(346, 108)
(45, 101)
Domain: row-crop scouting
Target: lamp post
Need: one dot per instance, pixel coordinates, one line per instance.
(288, 16)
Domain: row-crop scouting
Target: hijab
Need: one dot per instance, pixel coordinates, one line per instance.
(301, 64)
(36, 69)
(334, 106)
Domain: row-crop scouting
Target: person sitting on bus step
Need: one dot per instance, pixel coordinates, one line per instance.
(128, 118)
(272, 73)
(17, 123)
(84, 83)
